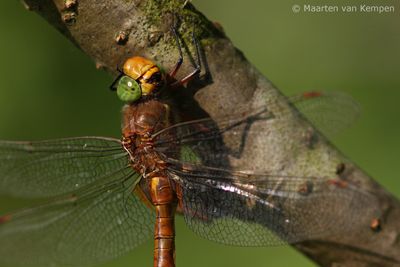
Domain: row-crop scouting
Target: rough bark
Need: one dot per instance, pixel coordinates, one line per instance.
(109, 31)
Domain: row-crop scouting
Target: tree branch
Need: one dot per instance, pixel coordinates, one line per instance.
(110, 31)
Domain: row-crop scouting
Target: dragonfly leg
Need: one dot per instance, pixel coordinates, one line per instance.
(113, 85)
(180, 60)
(197, 68)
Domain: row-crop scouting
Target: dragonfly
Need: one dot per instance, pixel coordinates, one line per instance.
(101, 197)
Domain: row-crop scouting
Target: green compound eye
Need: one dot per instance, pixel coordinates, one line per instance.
(128, 90)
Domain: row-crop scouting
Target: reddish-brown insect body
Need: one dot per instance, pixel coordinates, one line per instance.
(144, 114)
(140, 121)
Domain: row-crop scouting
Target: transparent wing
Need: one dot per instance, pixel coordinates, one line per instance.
(226, 205)
(203, 141)
(212, 144)
(330, 112)
(96, 224)
(55, 167)
(261, 210)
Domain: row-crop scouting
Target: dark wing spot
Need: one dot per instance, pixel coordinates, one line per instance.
(5, 218)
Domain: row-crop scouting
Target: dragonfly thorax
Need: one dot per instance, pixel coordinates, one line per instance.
(144, 118)
(140, 122)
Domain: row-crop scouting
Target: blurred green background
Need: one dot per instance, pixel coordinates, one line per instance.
(50, 89)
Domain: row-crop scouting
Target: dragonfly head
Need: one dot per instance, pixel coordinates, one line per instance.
(139, 77)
